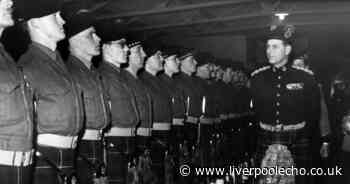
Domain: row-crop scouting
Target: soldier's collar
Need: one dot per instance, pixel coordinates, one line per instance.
(282, 68)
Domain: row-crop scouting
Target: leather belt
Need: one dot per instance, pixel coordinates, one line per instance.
(163, 126)
(16, 158)
(223, 116)
(192, 119)
(281, 127)
(217, 120)
(92, 135)
(144, 131)
(178, 121)
(204, 120)
(57, 141)
(120, 132)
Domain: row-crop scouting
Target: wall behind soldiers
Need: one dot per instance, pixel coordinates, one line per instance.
(225, 47)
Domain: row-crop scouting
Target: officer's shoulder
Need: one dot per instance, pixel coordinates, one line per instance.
(303, 70)
(259, 70)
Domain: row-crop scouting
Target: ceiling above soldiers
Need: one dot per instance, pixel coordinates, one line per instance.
(156, 18)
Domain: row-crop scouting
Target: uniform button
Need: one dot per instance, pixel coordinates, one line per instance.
(279, 77)
(277, 121)
(277, 113)
(278, 95)
(278, 104)
(279, 85)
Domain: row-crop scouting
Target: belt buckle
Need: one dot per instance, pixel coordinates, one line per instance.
(279, 127)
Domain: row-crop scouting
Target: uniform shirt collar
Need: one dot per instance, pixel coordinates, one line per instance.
(280, 69)
(52, 54)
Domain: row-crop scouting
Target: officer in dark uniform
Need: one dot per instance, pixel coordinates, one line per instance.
(58, 107)
(161, 108)
(16, 122)
(286, 101)
(144, 104)
(83, 45)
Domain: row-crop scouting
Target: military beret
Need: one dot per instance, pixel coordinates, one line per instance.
(168, 54)
(28, 9)
(150, 50)
(301, 55)
(77, 20)
(281, 32)
(132, 44)
(185, 56)
(110, 31)
(203, 58)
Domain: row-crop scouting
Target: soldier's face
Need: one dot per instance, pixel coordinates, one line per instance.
(189, 64)
(299, 63)
(219, 74)
(117, 50)
(137, 56)
(6, 19)
(88, 41)
(277, 52)
(227, 77)
(51, 26)
(156, 61)
(204, 71)
(172, 63)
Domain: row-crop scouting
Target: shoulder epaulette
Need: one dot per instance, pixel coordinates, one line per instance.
(259, 70)
(304, 69)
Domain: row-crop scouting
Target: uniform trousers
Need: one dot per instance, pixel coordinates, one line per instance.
(16, 175)
(89, 160)
(191, 134)
(159, 147)
(119, 154)
(51, 157)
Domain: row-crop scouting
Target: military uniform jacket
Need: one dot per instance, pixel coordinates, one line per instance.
(190, 88)
(143, 99)
(176, 95)
(287, 95)
(161, 101)
(124, 111)
(59, 107)
(95, 101)
(242, 99)
(16, 125)
(222, 93)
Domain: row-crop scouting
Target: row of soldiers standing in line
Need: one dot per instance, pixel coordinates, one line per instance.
(65, 119)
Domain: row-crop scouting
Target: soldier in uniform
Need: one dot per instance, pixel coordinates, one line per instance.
(187, 83)
(144, 104)
(120, 138)
(161, 108)
(208, 109)
(286, 101)
(222, 123)
(16, 122)
(58, 107)
(83, 45)
(171, 68)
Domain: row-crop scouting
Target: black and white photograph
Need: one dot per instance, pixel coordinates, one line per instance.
(174, 92)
